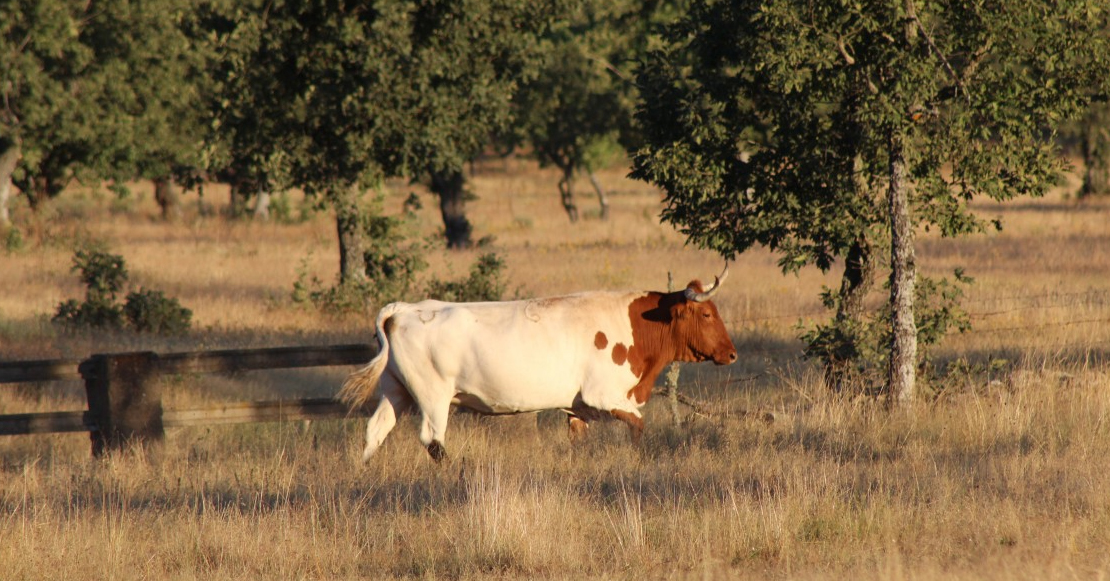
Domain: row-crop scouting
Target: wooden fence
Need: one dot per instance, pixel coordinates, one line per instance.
(125, 399)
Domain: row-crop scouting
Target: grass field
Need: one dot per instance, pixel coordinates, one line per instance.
(1003, 474)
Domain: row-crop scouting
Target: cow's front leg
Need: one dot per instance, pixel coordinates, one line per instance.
(635, 423)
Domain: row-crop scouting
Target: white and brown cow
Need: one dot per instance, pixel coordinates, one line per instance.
(592, 355)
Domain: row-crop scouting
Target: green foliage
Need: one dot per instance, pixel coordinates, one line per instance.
(577, 99)
(12, 239)
(393, 263)
(485, 283)
(150, 311)
(778, 123)
(102, 273)
(860, 348)
(104, 276)
(768, 123)
(72, 314)
(100, 89)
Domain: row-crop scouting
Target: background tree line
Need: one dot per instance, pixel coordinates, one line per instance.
(827, 131)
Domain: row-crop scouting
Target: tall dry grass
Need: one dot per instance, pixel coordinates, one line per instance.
(1003, 475)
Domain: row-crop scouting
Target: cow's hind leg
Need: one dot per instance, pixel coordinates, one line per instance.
(635, 423)
(433, 429)
(577, 429)
(394, 402)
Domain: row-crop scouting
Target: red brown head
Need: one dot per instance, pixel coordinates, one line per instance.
(692, 324)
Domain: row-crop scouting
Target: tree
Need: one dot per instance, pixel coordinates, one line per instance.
(825, 130)
(1095, 148)
(336, 96)
(94, 89)
(579, 108)
(466, 60)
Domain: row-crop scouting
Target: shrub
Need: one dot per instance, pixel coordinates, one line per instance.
(392, 265)
(104, 276)
(485, 283)
(150, 311)
(860, 349)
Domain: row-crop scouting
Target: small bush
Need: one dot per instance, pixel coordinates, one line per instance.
(150, 311)
(392, 265)
(12, 239)
(485, 283)
(860, 349)
(89, 315)
(104, 276)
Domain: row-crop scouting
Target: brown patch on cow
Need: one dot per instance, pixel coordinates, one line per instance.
(635, 423)
(651, 346)
(620, 353)
(600, 341)
(387, 326)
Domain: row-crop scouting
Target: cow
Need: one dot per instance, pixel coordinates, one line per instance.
(593, 355)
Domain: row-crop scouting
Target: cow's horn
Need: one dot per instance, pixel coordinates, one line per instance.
(701, 297)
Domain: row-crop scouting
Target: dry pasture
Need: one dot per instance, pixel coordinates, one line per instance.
(1003, 475)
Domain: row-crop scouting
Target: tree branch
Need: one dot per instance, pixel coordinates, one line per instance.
(936, 50)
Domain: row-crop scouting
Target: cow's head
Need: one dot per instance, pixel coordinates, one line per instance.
(698, 331)
(684, 325)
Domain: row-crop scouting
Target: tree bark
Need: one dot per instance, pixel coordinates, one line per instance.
(167, 197)
(903, 346)
(450, 186)
(239, 200)
(262, 206)
(10, 152)
(1096, 151)
(855, 285)
(348, 225)
(566, 194)
(602, 197)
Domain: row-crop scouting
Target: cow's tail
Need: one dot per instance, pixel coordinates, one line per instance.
(358, 390)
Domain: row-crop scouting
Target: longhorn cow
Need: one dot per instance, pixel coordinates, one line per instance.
(593, 355)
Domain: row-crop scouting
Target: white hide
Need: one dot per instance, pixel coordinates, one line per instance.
(501, 357)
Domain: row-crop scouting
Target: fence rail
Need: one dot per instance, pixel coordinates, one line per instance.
(124, 396)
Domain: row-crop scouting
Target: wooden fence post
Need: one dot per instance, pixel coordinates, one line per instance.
(125, 400)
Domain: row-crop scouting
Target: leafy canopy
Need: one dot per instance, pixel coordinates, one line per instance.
(99, 89)
(770, 122)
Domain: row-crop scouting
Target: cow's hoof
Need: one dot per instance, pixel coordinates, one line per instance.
(437, 451)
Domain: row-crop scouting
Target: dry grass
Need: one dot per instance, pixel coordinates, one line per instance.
(1003, 476)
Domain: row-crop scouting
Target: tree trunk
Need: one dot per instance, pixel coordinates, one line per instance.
(450, 186)
(348, 224)
(239, 200)
(1096, 151)
(673, 371)
(9, 158)
(903, 346)
(855, 285)
(167, 198)
(262, 206)
(566, 193)
(602, 197)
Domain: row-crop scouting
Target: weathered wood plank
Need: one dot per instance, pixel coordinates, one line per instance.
(44, 423)
(259, 411)
(42, 370)
(232, 360)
